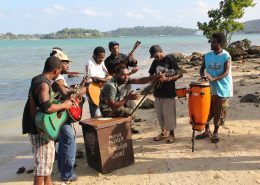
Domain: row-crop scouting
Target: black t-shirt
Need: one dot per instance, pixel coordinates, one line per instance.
(112, 62)
(166, 89)
(28, 121)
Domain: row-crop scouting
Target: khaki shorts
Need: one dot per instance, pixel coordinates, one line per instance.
(43, 155)
(218, 110)
(166, 112)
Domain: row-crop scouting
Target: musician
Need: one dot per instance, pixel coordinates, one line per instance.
(39, 98)
(117, 58)
(164, 94)
(67, 143)
(98, 73)
(216, 67)
(114, 94)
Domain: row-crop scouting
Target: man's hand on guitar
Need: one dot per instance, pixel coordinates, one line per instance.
(69, 103)
(156, 77)
(164, 78)
(132, 96)
(133, 70)
(132, 59)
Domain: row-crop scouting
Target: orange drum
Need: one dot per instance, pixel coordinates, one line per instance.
(181, 93)
(199, 104)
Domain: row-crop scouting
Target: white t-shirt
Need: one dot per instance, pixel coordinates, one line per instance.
(96, 70)
(61, 77)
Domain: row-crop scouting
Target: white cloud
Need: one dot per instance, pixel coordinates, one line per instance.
(58, 7)
(29, 16)
(203, 7)
(152, 12)
(53, 9)
(252, 12)
(93, 13)
(106, 14)
(90, 12)
(134, 15)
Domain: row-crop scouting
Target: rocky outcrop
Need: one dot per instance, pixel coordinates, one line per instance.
(147, 104)
(249, 98)
(195, 59)
(238, 50)
(243, 49)
(254, 50)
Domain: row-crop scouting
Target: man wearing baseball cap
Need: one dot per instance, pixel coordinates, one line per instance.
(67, 143)
(116, 58)
(165, 94)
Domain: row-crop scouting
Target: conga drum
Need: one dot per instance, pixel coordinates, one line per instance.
(199, 104)
(181, 92)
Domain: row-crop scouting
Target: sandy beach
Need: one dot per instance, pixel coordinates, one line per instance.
(235, 161)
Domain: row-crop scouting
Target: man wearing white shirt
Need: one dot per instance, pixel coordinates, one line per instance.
(97, 71)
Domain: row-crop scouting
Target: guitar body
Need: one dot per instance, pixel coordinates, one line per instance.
(75, 112)
(94, 91)
(49, 124)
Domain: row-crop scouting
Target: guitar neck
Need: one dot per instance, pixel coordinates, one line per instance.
(134, 48)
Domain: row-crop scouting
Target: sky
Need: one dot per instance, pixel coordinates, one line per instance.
(47, 16)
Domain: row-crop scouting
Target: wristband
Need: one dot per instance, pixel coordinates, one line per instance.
(45, 105)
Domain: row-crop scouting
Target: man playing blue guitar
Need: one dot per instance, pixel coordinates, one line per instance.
(67, 143)
(39, 99)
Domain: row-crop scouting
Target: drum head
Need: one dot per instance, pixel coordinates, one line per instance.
(203, 84)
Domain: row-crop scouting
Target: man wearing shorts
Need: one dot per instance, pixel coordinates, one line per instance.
(39, 98)
(216, 68)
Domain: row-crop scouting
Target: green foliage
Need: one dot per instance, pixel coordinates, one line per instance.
(67, 33)
(152, 31)
(225, 18)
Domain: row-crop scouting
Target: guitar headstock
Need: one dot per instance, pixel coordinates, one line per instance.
(137, 44)
(134, 48)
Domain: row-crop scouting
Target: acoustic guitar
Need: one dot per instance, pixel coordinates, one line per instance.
(75, 112)
(49, 124)
(94, 89)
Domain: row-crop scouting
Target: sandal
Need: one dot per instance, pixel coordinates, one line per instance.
(215, 138)
(160, 137)
(202, 136)
(170, 139)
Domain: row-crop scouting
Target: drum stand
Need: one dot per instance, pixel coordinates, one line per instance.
(193, 137)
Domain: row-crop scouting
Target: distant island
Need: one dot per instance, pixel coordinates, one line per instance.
(252, 26)
(66, 33)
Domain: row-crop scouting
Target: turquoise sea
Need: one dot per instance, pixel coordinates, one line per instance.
(20, 60)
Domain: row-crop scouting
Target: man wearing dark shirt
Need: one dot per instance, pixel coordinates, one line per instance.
(39, 98)
(116, 58)
(164, 93)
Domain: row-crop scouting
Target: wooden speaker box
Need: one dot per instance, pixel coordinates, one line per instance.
(108, 143)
